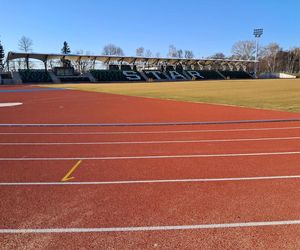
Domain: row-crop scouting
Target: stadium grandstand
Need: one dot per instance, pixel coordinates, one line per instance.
(123, 69)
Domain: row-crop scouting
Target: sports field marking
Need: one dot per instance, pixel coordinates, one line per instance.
(147, 156)
(149, 181)
(149, 142)
(68, 176)
(10, 104)
(147, 132)
(148, 228)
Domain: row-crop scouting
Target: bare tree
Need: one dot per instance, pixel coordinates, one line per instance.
(83, 65)
(140, 51)
(294, 60)
(180, 53)
(25, 45)
(112, 50)
(218, 55)
(244, 50)
(157, 54)
(2, 55)
(297, 55)
(188, 54)
(290, 61)
(172, 51)
(270, 53)
(148, 53)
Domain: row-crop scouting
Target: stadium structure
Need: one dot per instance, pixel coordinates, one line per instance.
(124, 69)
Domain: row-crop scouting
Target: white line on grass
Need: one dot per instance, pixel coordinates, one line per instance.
(150, 142)
(149, 181)
(146, 132)
(147, 156)
(148, 228)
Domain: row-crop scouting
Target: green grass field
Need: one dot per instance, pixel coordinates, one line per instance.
(267, 94)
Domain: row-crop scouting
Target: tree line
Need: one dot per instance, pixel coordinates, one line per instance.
(272, 57)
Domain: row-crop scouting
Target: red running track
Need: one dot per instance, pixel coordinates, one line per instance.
(69, 106)
(132, 205)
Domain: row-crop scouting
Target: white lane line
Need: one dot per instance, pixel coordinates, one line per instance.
(10, 104)
(148, 228)
(146, 132)
(146, 156)
(149, 181)
(150, 142)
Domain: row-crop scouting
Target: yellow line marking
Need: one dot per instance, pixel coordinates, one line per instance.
(68, 176)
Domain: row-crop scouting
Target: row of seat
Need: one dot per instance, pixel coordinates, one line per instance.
(236, 74)
(40, 76)
(116, 75)
(35, 76)
(74, 79)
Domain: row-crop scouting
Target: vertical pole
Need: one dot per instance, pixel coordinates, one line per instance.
(256, 57)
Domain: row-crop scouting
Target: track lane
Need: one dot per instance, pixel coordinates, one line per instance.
(151, 169)
(204, 128)
(279, 237)
(140, 136)
(150, 205)
(124, 150)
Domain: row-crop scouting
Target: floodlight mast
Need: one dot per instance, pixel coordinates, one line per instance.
(257, 33)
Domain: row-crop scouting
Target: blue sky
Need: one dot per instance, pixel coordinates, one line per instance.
(204, 26)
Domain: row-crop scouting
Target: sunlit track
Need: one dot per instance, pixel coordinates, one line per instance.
(148, 156)
(126, 183)
(150, 132)
(257, 178)
(151, 142)
(149, 124)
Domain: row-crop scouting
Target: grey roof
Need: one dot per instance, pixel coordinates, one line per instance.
(129, 59)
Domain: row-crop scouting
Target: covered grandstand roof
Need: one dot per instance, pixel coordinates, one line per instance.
(128, 59)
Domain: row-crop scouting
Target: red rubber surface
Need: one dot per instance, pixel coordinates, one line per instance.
(67, 106)
(152, 204)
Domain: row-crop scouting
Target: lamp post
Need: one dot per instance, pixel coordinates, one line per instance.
(257, 33)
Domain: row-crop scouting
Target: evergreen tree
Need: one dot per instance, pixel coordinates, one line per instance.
(2, 55)
(66, 50)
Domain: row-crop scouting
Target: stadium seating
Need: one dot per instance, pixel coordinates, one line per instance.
(125, 67)
(170, 68)
(156, 75)
(179, 68)
(210, 74)
(127, 74)
(74, 79)
(34, 76)
(6, 76)
(113, 67)
(236, 74)
(116, 75)
(176, 75)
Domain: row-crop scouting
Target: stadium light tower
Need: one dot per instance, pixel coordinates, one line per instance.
(257, 33)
